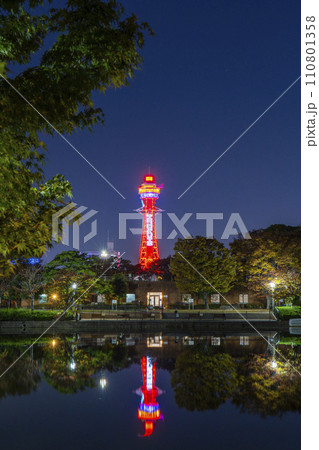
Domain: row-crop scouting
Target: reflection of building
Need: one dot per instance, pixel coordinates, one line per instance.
(148, 410)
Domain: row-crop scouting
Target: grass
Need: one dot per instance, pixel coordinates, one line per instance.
(289, 312)
(290, 340)
(25, 314)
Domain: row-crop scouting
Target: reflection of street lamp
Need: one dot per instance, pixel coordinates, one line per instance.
(103, 383)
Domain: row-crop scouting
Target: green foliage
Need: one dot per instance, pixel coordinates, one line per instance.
(82, 47)
(119, 285)
(210, 258)
(28, 281)
(289, 312)
(68, 268)
(25, 314)
(290, 340)
(271, 256)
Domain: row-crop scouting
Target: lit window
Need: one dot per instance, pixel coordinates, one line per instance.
(243, 298)
(244, 340)
(215, 298)
(215, 340)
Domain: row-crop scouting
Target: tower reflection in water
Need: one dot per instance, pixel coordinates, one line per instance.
(148, 410)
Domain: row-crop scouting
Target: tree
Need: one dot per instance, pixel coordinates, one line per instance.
(70, 275)
(5, 286)
(29, 280)
(82, 47)
(120, 285)
(272, 255)
(210, 258)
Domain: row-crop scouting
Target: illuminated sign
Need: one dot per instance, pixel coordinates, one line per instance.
(149, 229)
(149, 178)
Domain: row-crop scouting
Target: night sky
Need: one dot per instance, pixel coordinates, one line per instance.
(210, 70)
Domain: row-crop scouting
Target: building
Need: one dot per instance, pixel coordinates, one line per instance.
(165, 294)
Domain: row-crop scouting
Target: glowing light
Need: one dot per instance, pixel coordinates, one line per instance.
(74, 286)
(148, 410)
(72, 365)
(273, 364)
(149, 193)
(103, 383)
(272, 285)
(104, 254)
(53, 343)
(54, 296)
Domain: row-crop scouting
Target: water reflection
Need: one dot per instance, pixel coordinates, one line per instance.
(148, 410)
(205, 371)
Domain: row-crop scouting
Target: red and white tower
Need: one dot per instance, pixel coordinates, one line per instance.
(149, 193)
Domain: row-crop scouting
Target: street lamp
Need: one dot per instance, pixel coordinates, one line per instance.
(54, 296)
(272, 286)
(74, 286)
(273, 364)
(104, 254)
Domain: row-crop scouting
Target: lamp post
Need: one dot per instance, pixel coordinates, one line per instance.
(73, 287)
(271, 304)
(272, 286)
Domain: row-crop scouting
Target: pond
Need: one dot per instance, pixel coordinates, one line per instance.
(151, 391)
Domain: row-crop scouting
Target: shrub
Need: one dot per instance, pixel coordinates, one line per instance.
(25, 314)
(288, 312)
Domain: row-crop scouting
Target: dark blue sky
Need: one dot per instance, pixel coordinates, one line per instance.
(210, 70)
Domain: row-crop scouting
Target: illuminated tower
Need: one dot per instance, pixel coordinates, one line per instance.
(148, 410)
(149, 193)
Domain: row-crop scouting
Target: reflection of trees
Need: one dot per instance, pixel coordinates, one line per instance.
(22, 378)
(69, 369)
(267, 391)
(202, 379)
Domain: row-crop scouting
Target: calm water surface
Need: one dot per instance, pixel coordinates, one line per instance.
(134, 391)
